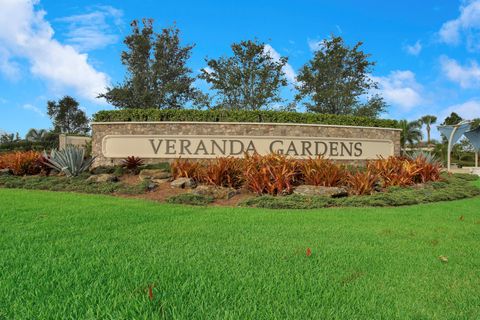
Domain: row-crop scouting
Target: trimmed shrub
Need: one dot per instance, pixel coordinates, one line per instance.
(191, 199)
(74, 184)
(453, 187)
(239, 116)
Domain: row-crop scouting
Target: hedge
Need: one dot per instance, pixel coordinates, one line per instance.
(454, 187)
(23, 145)
(239, 116)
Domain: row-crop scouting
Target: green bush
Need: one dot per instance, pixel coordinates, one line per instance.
(73, 184)
(239, 116)
(191, 199)
(50, 142)
(453, 187)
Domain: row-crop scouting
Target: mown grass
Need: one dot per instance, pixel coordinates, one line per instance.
(74, 256)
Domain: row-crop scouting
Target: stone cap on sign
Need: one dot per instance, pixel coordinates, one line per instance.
(244, 123)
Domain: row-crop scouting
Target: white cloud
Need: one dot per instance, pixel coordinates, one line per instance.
(93, 30)
(287, 68)
(414, 49)
(9, 68)
(26, 34)
(400, 88)
(34, 109)
(315, 44)
(466, 25)
(466, 76)
(208, 70)
(467, 110)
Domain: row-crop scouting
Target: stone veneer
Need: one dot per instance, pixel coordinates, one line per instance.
(101, 129)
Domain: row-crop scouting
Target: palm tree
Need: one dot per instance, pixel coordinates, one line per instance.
(428, 120)
(411, 132)
(36, 135)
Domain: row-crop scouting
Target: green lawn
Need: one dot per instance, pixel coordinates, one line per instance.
(90, 257)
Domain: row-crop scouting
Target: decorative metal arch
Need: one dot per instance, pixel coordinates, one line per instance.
(474, 137)
(453, 133)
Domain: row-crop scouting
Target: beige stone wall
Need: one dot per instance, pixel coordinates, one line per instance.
(100, 130)
(79, 141)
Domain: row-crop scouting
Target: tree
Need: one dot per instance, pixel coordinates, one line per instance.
(428, 120)
(7, 138)
(157, 72)
(249, 80)
(36, 135)
(337, 79)
(411, 132)
(452, 119)
(67, 117)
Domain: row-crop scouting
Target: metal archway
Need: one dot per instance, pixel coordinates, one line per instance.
(474, 137)
(453, 133)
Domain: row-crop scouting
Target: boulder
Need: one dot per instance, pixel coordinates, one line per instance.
(154, 174)
(215, 191)
(475, 171)
(309, 190)
(5, 172)
(151, 186)
(161, 181)
(182, 183)
(104, 177)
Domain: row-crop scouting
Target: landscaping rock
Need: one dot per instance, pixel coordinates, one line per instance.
(309, 190)
(161, 181)
(151, 186)
(182, 183)
(104, 177)
(475, 171)
(154, 174)
(5, 172)
(215, 191)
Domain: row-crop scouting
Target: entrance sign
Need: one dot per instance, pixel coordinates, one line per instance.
(212, 146)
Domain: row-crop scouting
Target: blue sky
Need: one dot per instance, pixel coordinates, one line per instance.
(427, 52)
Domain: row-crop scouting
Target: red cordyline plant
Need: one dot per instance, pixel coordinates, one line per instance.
(182, 168)
(273, 174)
(401, 171)
(224, 172)
(362, 183)
(393, 171)
(21, 162)
(321, 172)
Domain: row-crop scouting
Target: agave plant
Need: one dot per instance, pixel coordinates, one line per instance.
(427, 157)
(70, 160)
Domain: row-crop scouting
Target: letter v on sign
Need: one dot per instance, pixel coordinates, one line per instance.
(157, 147)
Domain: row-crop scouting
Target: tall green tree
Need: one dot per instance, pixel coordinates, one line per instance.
(157, 72)
(67, 117)
(428, 120)
(34, 135)
(250, 79)
(411, 132)
(7, 138)
(337, 80)
(452, 119)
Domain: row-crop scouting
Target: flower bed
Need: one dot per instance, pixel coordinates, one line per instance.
(276, 174)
